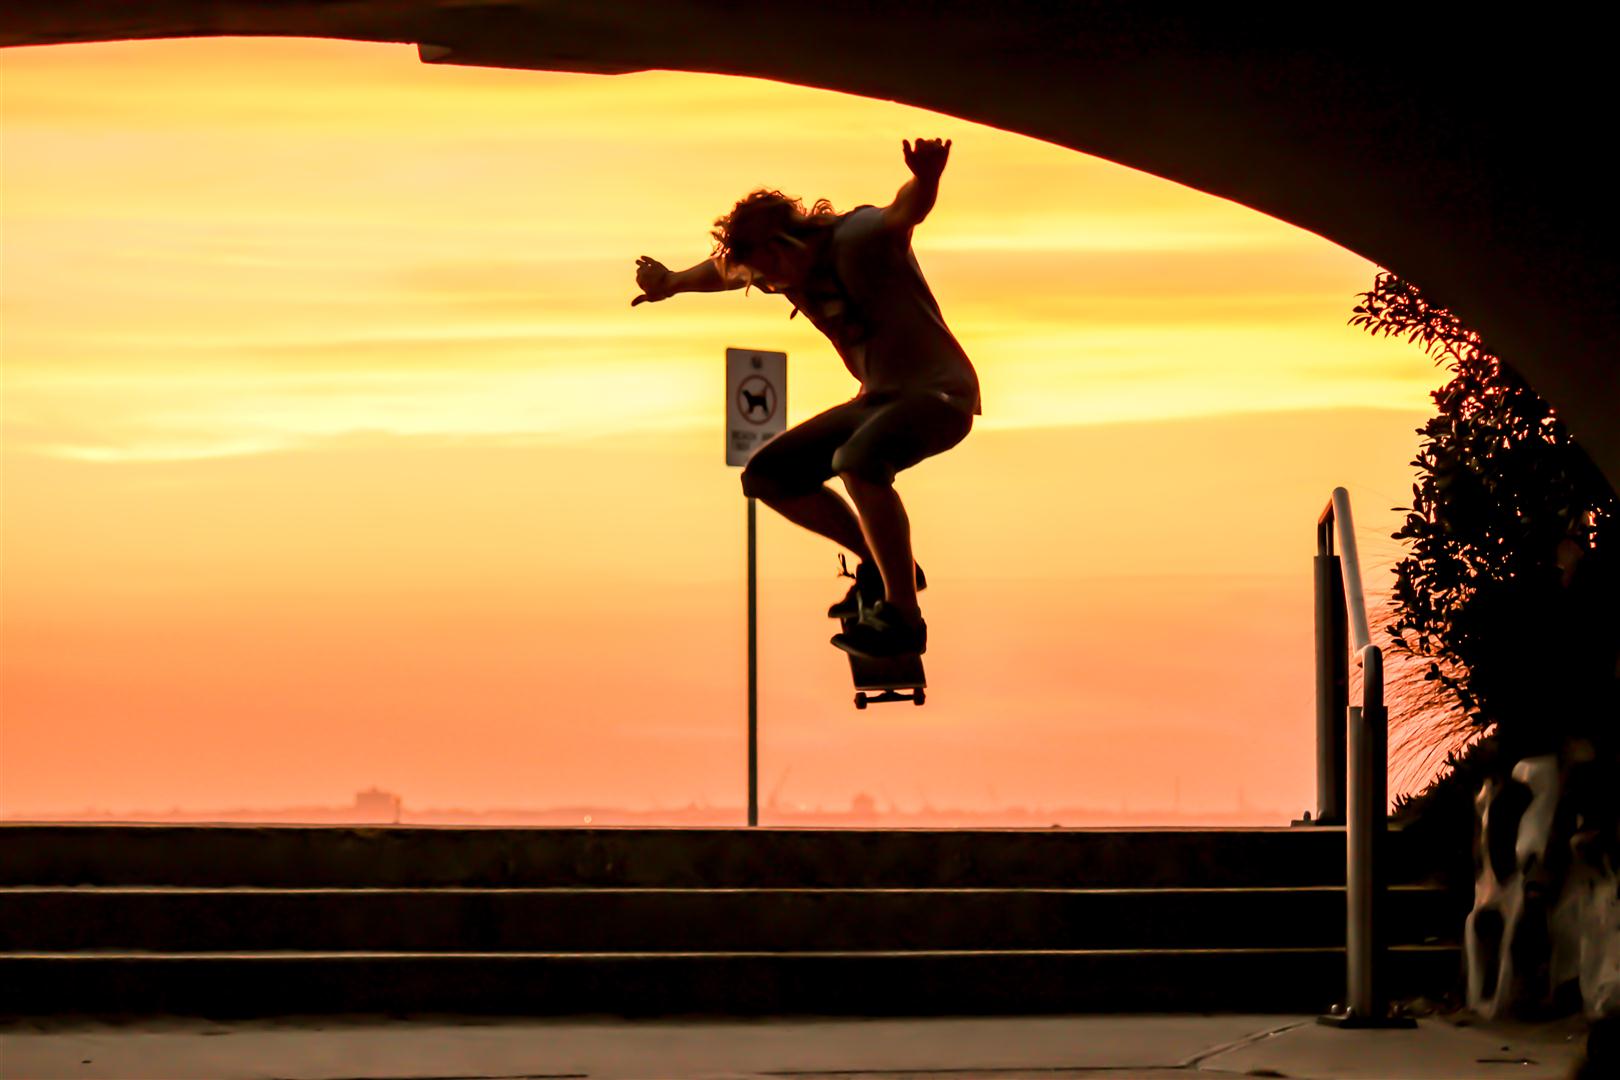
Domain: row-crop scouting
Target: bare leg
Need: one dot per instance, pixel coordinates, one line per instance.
(825, 513)
(888, 534)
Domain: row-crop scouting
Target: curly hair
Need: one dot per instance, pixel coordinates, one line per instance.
(762, 216)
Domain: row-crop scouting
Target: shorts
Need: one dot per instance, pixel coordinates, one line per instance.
(873, 437)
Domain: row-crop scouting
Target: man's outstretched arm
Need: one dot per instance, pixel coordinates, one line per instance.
(926, 160)
(658, 282)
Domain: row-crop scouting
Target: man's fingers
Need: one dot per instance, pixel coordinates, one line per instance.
(642, 299)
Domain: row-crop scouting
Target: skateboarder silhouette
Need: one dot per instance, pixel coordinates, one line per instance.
(855, 277)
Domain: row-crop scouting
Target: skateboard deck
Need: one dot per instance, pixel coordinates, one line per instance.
(899, 678)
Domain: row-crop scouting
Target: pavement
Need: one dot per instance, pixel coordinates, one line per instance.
(1048, 1047)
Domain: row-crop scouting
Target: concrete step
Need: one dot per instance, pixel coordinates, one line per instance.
(261, 920)
(410, 856)
(776, 982)
(699, 920)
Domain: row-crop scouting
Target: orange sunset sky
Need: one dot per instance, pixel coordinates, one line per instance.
(334, 454)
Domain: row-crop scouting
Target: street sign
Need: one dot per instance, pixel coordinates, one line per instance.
(756, 401)
(756, 413)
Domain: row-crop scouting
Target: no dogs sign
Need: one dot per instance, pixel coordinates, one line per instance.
(756, 401)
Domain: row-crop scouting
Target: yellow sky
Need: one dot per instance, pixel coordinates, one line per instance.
(331, 439)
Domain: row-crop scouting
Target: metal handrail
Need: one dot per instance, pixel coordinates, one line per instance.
(1335, 521)
(1362, 767)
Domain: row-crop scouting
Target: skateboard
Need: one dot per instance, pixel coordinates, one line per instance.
(897, 678)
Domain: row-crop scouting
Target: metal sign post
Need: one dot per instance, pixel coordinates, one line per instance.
(756, 412)
(753, 675)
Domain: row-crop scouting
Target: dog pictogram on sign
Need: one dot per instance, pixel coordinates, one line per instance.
(756, 399)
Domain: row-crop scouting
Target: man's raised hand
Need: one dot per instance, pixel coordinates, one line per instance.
(926, 158)
(652, 278)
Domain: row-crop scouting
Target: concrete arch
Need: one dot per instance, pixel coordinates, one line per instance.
(1461, 154)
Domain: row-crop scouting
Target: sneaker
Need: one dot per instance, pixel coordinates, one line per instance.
(868, 584)
(884, 633)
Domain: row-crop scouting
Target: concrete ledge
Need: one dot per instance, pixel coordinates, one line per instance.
(44, 919)
(396, 856)
(665, 984)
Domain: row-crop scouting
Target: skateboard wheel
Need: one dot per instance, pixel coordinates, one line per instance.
(860, 701)
(918, 697)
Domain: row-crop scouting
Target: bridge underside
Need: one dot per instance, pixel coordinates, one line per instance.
(1462, 155)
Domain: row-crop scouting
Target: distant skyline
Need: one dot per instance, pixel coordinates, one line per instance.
(333, 447)
(861, 808)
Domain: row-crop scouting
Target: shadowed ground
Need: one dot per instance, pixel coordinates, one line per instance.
(1093, 1047)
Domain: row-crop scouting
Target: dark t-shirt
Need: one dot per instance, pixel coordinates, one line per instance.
(867, 294)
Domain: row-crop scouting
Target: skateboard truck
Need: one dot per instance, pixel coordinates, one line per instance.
(917, 696)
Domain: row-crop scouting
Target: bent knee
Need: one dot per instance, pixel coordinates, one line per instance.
(756, 485)
(768, 485)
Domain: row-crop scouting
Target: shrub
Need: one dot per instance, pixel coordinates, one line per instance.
(1506, 600)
